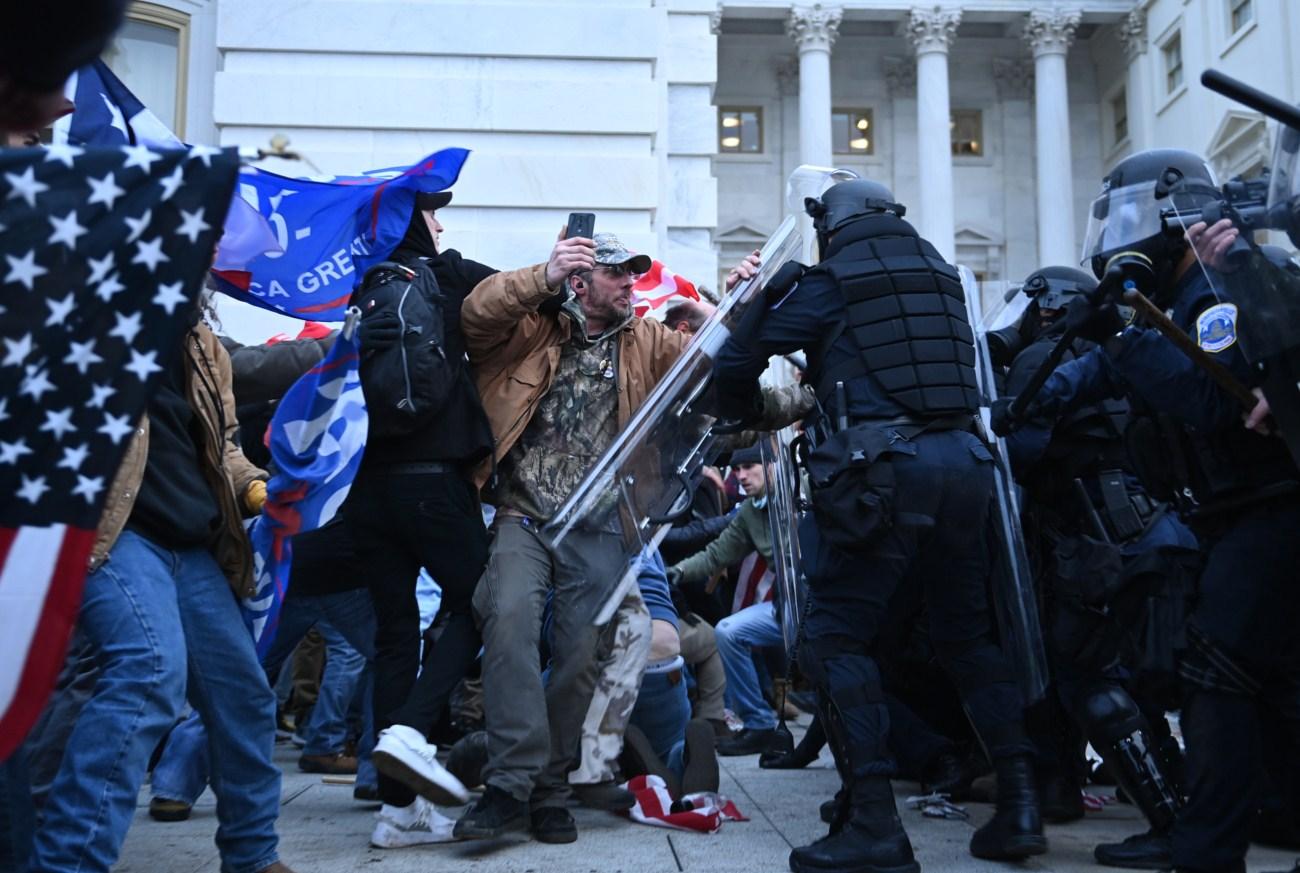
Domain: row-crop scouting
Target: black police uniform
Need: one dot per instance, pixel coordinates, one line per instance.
(902, 347)
(1238, 491)
(1112, 567)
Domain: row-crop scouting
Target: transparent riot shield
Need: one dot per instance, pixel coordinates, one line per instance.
(783, 517)
(1014, 599)
(645, 479)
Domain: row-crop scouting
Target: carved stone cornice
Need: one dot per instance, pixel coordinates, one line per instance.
(932, 29)
(1014, 77)
(814, 27)
(1133, 33)
(900, 76)
(1051, 31)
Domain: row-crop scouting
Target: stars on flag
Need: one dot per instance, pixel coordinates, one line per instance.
(24, 185)
(66, 230)
(102, 252)
(105, 190)
(24, 271)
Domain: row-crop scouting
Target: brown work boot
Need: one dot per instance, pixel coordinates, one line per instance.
(337, 764)
(277, 867)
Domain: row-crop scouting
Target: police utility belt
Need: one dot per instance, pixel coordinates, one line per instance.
(851, 477)
(1125, 513)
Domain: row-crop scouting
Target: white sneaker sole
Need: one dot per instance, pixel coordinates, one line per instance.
(388, 836)
(433, 781)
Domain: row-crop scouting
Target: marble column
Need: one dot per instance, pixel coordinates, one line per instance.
(931, 30)
(813, 29)
(1049, 33)
(1133, 33)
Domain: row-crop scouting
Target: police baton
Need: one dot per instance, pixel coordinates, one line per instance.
(1220, 374)
(1053, 360)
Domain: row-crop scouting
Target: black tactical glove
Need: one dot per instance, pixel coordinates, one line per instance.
(1095, 322)
(674, 577)
(738, 410)
(379, 331)
(1000, 417)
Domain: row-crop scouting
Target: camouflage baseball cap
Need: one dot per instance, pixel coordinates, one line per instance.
(611, 252)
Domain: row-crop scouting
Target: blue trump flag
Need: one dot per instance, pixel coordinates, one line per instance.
(331, 232)
(318, 435)
(293, 246)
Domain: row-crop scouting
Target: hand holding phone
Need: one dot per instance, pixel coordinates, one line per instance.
(581, 224)
(574, 252)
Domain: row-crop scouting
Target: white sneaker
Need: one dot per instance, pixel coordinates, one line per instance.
(403, 754)
(397, 827)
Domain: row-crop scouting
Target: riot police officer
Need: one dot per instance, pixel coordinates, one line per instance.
(1237, 489)
(1111, 566)
(902, 487)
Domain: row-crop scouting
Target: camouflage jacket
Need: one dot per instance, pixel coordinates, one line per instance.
(575, 421)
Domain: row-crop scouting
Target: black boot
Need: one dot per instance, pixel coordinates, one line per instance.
(872, 841)
(750, 741)
(1149, 851)
(1016, 829)
(947, 774)
(1060, 798)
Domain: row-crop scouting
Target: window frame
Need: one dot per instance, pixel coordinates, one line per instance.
(1118, 98)
(740, 110)
(173, 19)
(1175, 38)
(1234, 6)
(982, 142)
(870, 114)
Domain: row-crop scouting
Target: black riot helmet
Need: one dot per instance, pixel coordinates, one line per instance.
(1051, 290)
(1056, 287)
(848, 201)
(1138, 206)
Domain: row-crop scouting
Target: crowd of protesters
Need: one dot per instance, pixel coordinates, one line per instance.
(435, 645)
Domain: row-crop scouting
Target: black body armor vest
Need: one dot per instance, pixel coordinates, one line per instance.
(906, 313)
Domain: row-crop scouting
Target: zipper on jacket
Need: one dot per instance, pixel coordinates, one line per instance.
(406, 402)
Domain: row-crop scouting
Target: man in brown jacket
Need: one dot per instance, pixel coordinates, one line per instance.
(557, 385)
(160, 608)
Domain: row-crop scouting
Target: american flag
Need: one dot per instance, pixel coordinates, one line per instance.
(754, 584)
(318, 436)
(658, 289)
(102, 254)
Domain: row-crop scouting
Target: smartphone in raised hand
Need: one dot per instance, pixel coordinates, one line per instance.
(581, 224)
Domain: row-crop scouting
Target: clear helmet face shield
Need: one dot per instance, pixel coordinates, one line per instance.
(811, 181)
(1121, 217)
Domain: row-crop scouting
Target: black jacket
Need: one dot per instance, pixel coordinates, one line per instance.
(460, 433)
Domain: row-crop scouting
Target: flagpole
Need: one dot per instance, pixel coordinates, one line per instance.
(350, 320)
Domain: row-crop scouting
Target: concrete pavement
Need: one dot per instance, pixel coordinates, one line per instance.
(322, 830)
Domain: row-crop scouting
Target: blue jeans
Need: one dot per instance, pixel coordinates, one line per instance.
(142, 608)
(662, 712)
(182, 771)
(737, 635)
(129, 614)
(17, 816)
(346, 620)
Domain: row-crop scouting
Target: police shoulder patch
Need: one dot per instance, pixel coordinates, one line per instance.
(1216, 327)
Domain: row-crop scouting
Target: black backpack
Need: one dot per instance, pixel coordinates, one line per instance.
(407, 383)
